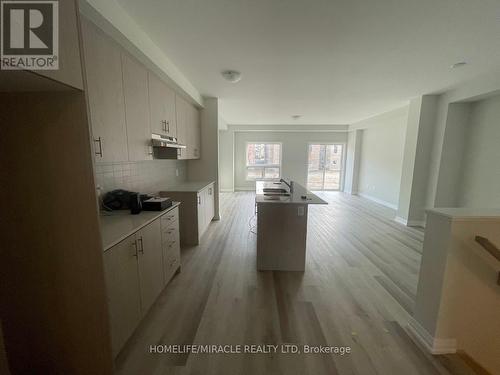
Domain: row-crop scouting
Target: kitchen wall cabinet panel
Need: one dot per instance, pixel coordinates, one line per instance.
(135, 88)
(70, 67)
(103, 70)
(150, 263)
(162, 107)
(182, 113)
(193, 133)
(122, 281)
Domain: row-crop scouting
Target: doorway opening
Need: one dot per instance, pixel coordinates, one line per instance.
(325, 166)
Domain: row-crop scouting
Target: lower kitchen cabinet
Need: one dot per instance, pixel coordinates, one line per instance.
(124, 298)
(136, 271)
(150, 259)
(205, 208)
(196, 211)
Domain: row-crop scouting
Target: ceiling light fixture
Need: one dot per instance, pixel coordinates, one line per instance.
(232, 76)
(296, 117)
(459, 64)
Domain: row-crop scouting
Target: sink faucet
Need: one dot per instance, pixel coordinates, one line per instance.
(290, 185)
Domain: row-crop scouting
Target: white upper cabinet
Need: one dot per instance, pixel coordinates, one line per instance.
(181, 109)
(128, 103)
(135, 88)
(193, 133)
(162, 107)
(103, 69)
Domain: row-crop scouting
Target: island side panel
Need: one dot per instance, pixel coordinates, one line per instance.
(281, 236)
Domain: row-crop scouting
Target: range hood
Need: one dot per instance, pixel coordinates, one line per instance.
(164, 141)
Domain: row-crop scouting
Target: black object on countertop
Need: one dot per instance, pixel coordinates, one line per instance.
(135, 204)
(118, 199)
(156, 204)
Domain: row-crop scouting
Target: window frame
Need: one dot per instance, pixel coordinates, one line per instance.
(263, 166)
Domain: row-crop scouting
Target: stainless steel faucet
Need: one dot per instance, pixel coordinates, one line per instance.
(290, 185)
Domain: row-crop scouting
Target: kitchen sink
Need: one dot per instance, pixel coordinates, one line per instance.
(277, 194)
(275, 190)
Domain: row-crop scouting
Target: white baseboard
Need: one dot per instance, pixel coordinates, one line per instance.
(409, 223)
(431, 344)
(401, 220)
(379, 201)
(227, 190)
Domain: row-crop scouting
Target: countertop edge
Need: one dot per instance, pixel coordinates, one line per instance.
(462, 216)
(139, 227)
(178, 189)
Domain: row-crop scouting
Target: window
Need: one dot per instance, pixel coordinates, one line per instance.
(324, 170)
(263, 161)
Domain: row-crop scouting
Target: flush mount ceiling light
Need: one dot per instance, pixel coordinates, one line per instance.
(296, 117)
(459, 64)
(232, 76)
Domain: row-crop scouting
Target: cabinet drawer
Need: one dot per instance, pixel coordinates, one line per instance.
(169, 218)
(172, 258)
(171, 234)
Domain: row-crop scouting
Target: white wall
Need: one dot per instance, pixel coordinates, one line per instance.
(382, 156)
(480, 172)
(294, 152)
(417, 150)
(226, 160)
(352, 163)
(439, 186)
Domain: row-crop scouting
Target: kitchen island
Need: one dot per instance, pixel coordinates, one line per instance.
(282, 225)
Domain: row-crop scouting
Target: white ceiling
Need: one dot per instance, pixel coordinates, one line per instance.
(332, 61)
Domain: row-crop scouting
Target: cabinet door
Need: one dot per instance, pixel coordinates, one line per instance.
(181, 110)
(105, 94)
(162, 107)
(135, 88)
(150, 263)
(122, 282)
(194, 135)
(210, 204)
(201, 213)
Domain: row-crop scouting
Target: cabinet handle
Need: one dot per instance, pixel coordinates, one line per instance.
(98, 140)
(199, 199)
(210, 191)
(168, 126)
(141, 250)
(136, 255)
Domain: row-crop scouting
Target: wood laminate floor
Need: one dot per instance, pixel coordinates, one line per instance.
(358, 291)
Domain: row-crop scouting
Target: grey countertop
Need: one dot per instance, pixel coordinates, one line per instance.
(118, 225)
(295, 198)
(191, 186)
(465, 213)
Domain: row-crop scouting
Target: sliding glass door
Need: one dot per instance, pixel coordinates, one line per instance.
(324, 170)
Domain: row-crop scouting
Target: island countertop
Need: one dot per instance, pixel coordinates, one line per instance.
(295, 197)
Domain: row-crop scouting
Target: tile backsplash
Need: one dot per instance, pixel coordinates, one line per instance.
(148, 176)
